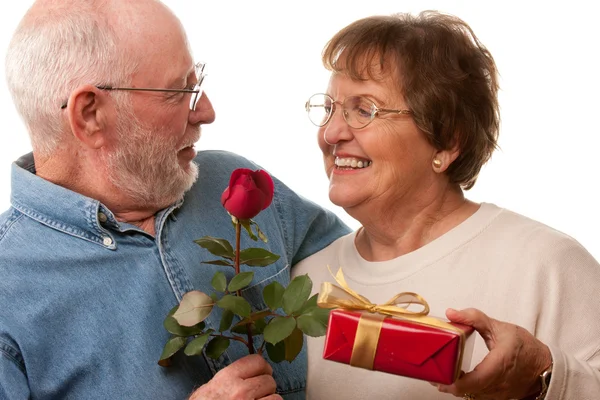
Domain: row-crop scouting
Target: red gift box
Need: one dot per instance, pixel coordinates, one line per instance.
(404, 347)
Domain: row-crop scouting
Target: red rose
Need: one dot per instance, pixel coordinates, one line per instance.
(249, 193)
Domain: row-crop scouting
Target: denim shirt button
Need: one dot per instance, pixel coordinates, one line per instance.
(107, 241)
(102, 218)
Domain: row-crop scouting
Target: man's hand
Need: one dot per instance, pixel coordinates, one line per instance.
(248, 378)
(511, 368)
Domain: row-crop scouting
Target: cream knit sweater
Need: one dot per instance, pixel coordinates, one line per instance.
(510, 267)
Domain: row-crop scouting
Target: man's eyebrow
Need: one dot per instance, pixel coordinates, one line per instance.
(181, 81)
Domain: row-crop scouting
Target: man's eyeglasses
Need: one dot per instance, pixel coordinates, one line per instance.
(358, 111)
(196, 90)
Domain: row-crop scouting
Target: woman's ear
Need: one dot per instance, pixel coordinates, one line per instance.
(86, 110)
(443, 158)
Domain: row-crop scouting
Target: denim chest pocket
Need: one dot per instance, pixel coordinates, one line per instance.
(254, 292)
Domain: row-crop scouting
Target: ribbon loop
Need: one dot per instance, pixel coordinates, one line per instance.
(342, 296)
(371, 323)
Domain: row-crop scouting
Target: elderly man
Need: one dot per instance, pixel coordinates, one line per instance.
(98, 244)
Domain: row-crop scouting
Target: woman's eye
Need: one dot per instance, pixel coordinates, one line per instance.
(364, 113)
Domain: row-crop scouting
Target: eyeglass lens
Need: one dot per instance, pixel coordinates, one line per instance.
(200, 75)
(357, 111)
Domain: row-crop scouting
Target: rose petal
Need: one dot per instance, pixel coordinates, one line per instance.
(264, 182)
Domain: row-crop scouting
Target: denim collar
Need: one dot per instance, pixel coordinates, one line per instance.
(65, 210)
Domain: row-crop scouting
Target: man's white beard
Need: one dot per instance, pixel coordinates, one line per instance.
(145, 165)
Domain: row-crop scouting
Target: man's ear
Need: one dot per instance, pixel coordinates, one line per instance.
(86, 110)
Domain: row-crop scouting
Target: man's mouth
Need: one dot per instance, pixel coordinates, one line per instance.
(352, 163)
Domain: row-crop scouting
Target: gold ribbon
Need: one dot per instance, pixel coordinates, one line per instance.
(369, 325)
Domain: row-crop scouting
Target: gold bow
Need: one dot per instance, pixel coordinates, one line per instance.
(332, 296)
(369, 327)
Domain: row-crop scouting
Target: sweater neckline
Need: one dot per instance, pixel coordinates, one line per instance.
(368, 273)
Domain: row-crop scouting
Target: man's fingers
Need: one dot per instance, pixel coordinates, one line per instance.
(249, 366)
(272, 397)
(260, 386)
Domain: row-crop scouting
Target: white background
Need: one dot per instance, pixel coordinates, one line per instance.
(264, 61)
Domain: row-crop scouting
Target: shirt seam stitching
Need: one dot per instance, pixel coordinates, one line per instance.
(14, 217)
(11, 354)
(283, 225)
(49, 223)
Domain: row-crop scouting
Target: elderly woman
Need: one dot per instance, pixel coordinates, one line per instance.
(409, 118)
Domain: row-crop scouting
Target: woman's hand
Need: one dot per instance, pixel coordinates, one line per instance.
(512, 367)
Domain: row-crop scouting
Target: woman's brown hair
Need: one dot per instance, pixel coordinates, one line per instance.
(447, 77)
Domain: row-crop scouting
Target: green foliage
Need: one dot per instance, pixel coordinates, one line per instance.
(248, 227)
(219, 282)
(276, 351)
(310, 303)
(216, 246)
(257, 257)
(279, 328)
(173, 346)
(226, 320)
(194, 308)
(237, 305)
(314, 321)
(283, 332)
(240, 281)
(257, 327)
(195, 347)
(293, 344)
(219, 262)
(273, 295)
(296, 294)
(174, 328)
(216, 347)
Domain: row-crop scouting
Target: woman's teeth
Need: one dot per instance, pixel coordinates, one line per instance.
(352, 163)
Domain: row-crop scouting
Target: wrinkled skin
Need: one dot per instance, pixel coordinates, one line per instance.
(248, 378)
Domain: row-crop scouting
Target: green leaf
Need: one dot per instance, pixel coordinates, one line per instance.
(216, 246)
(173, 346)
(260, 234)
(314, 321)
(216, 347)
(173, 310)
(237, 305)
(257, 325)
(214, 296)
(219, 282)
(273, 295)
(254, 316)
(240, 281)
(226, 320)
(296, 294)
(276, 351)
(195, 306)
(194, 348)
(257, 257)
(172, 326)
(221, 263)
(247, 225)
(293, 345)
(278, 329)
(309, 304)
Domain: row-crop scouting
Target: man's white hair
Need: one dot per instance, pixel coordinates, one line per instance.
(54, 51)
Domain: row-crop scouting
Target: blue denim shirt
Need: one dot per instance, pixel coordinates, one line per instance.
(83, 296)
